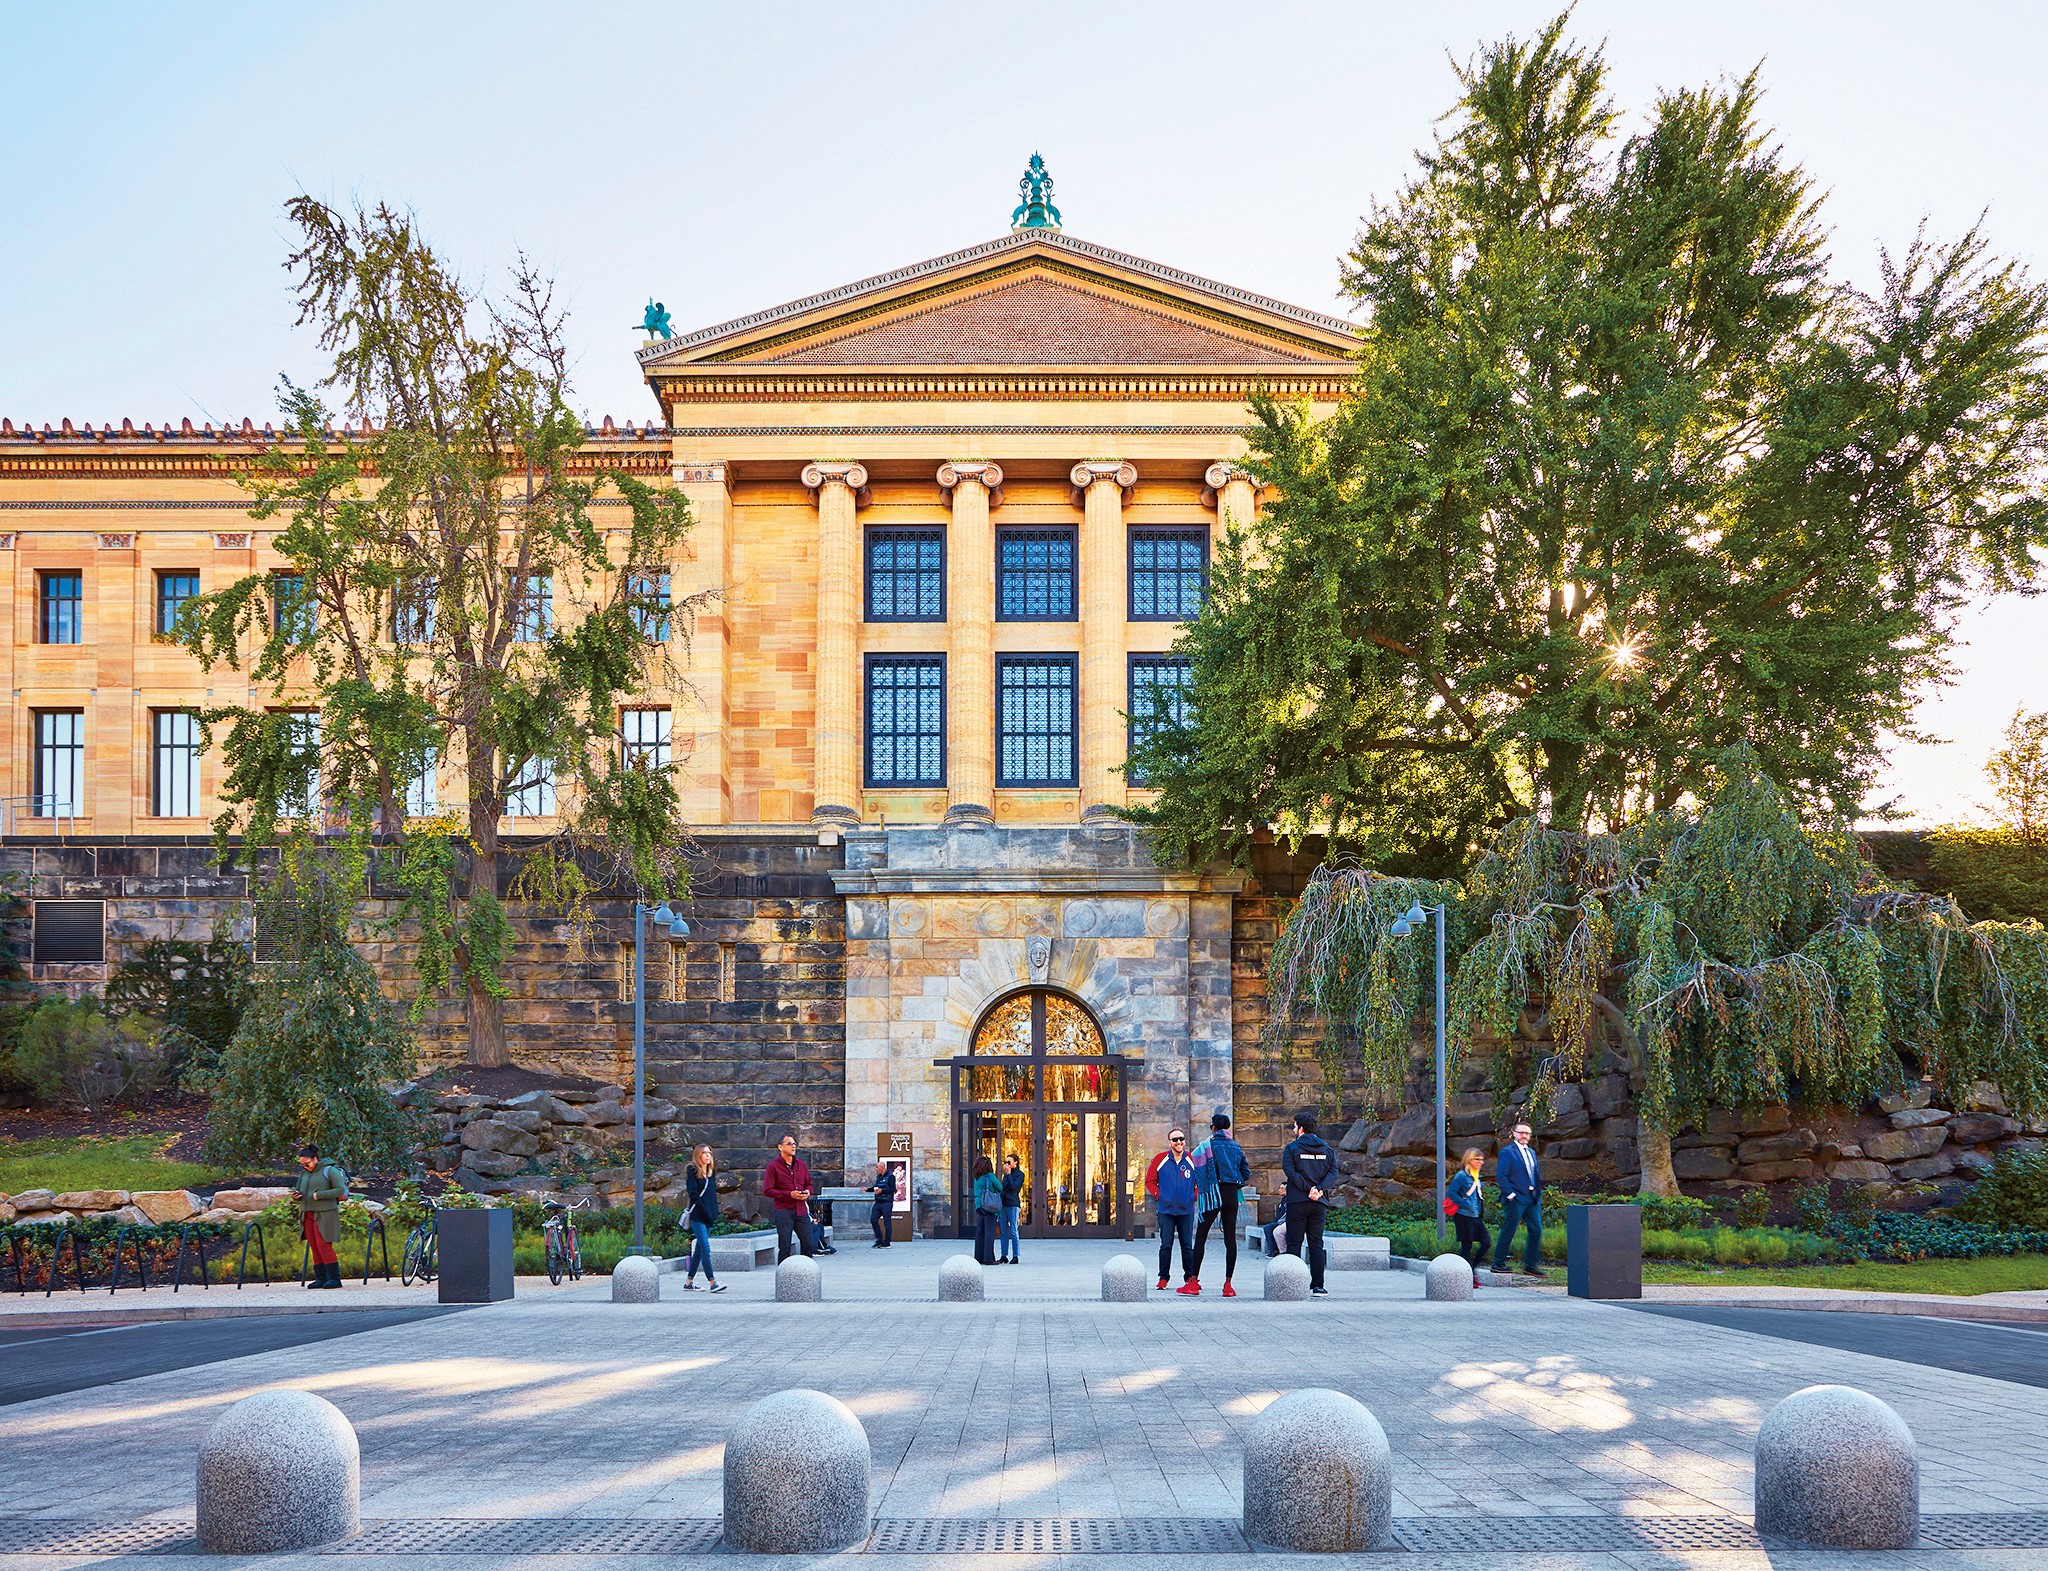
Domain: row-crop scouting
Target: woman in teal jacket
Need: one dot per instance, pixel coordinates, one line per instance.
(987, 1201)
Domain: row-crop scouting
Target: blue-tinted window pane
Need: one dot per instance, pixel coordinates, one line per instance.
(292, 611)
(1035, 575)
(172, 591)
(1161, 688)
(1035, 721)
(647, 589)
(62, 612)
(906, 575)
(906, 738)
(1169, 573)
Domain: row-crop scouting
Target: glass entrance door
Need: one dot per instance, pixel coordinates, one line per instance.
(1039, 1085)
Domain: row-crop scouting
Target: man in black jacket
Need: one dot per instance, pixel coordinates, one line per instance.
(881, 1217)
(1310, 1166)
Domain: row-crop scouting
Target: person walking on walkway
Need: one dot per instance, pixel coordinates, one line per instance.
(323, 1185)
(787, 1183)
(1013, 1203)
(882, 1214)
(1309, 1165)
(987, 1200)
(1521, 1203)
(701, 1211)
(1221, 1173)
(1469, 1217)
(1174, 1196)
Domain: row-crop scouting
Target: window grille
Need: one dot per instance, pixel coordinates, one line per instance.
(1159, 699)
(906, 575)
(1035, 721)
(1169, 574)
(1034, 575)
(906, 730)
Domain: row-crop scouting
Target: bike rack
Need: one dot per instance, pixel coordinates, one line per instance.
(141, 1260)
(178, 1265)
(376, 1231)
(20, 1275)
(57, 1261)
(262, 1254)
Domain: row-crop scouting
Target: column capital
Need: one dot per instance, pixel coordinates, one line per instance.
(1222, 473)
(854, 476)
(989, 474)
(1095, 471)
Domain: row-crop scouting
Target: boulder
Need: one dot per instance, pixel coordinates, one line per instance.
(1571, 1150)
(1925, 1169)
(1983, 1097)
(487, 1164)
(1412, 1134)
(1766, 1121)
(249, 1200)
(1701, 1163)
(1971, 1163)
(1626, 1156)
(526, 1120)
(1918, 1094)
(489, 1135)
(1917, 1117)
(1356, 1136)
(128, 1216)
(1837, 1151)
(1905, 1145)
(1858, 1171)
(167, 1205)
(278, 1471)
(797, 1468)
(1974, 1129)
(35, 1200)
(605, 1115)
(92, 1200)
(1318, 1474)
(1785, 1147)
(1837, 1469)
(47, 1219)
(1776, 1172)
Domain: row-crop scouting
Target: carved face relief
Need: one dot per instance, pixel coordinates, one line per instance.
(1038, 952)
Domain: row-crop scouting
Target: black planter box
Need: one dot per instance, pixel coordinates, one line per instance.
(1603, 1251)
(474, 1255)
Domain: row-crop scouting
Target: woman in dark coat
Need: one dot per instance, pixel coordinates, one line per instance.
(322, 1188)
(987, 1201)
(702, 1183)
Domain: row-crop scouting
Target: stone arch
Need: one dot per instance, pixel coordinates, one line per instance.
(1003, 965)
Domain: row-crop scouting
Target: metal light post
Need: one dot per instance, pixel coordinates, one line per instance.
(677, 928)
(1405, 924)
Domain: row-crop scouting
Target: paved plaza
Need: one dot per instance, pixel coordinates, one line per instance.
(1519, 1409)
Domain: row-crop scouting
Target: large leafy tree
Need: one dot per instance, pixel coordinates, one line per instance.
(1625, 477)
(462, 623)
(1735, 956)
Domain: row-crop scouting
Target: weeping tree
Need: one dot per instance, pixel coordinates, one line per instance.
(1733, 956)
(459, 629)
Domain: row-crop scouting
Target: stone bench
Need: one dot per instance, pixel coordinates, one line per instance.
(1344, 1251)
(752, 1251)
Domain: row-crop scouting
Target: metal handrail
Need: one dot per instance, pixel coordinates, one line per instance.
(262, 1254)
(178, 1265)
(378, 1232)
(34, 803)
(141, 1263)
(57, 1261)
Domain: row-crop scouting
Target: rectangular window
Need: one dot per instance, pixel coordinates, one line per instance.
(906, 727)
(647, 595)
(1034, 575)
(305, 740)
(423, 789)
(172, 591)
(906, 575)
(291, 607)
(532, 794)
(60, 763)
(60, 601)
(533, 608)
(1035, 721)
(69, 932)
(174, 764)
(412, 614)
(644, 737)
(1169, 574)
(1160, 701)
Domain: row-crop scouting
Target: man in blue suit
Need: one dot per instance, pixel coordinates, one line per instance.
(1521, 1202)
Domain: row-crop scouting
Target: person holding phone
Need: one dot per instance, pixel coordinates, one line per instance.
(787, 1183)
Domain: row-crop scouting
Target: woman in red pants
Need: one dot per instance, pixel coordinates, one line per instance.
(322, 1188)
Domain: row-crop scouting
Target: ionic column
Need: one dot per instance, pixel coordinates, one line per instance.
(971, 660)
(1235, 497)
(1104, 611)
(837, 488)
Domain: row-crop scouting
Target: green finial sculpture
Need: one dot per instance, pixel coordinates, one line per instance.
(655, 320)
(1036, 210)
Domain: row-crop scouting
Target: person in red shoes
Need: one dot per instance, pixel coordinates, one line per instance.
(1174, 1195)
(1221, 1173)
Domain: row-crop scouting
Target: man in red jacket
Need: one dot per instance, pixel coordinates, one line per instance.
(787, 1182)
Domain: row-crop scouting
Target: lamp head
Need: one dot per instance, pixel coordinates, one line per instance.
(1401, 927)
(679, 928)
(662, 913)
(1415, 916)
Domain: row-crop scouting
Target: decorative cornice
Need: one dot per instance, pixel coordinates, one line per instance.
(989, 474)
(701, 432)
(746, 384)
(1024, 241)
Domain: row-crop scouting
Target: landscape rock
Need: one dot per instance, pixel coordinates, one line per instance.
(1776, 1172)
(1904, 1145)
(128, 1216)
(456, 1102)
(526, 1120)
(1785, 1147)
(1412, 1134)
(249, 1200)
(1701, 1140)
(1919, 1094)
(1701, 1163)
(1607, 1096)
(1983, 1097)
(1917, 1117)
(92, 1199)
(1925, 1168)
(1355, 1137)
(606, 1114)
(490, 1135)
(1766, 1121)
(487, 1164)
(1974, 1129)
(1572, 1150)
(167, 1205)
(47, 1219)
(1861, 1172)
(1973, 1162)
(660, 1112)
(35, 1200)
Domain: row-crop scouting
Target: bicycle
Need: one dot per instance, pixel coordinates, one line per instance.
(558, 1235)
(421, 1245)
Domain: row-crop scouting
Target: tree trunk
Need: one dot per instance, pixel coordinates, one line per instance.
(1654, 1146)
(486, 1009)
(486, 1027)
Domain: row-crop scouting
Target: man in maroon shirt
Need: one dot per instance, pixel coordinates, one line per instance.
(787, 1181)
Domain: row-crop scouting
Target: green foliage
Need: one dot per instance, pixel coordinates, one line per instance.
(319, 1043)
(196, 990)
(1994, 873)
(1822, 1207)
(417, 636)
(1753, 1207)
(2018, 773)
(2011, 1193)
(1903, 1235)
(1624, 478)
(78, 1055)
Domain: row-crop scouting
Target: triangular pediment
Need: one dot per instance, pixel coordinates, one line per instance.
(1034, 299)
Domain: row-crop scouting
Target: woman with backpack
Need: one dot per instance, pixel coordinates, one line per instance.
(702, 1211)
(988, 1209)
(323, 1185)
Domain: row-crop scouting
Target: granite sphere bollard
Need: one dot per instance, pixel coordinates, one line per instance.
(1837, 1469)
(1123, 1280)
(636, 1279)
(799, 1281)
(1448, 1279)
(796, 1476)
(960, 1280)
(279, 1470)
(1318, 1475)
(1286, 1280)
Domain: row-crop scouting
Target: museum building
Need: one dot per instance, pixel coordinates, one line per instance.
(953, 516)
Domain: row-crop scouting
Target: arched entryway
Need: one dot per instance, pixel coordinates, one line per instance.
(1039, 1083)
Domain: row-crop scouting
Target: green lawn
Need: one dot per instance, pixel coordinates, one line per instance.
(87, 1162)
(1963, 1278)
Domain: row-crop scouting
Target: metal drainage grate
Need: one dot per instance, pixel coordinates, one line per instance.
(25, 1536)
(1509, 1535)
(1984, 1530)
(1052, 1535)
(533, 1536)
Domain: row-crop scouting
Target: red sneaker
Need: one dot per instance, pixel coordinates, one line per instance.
(1189, 1289)
(1229, 1291)
(1161, 1287)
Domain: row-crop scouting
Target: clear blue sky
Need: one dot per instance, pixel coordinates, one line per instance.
(729, 157)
